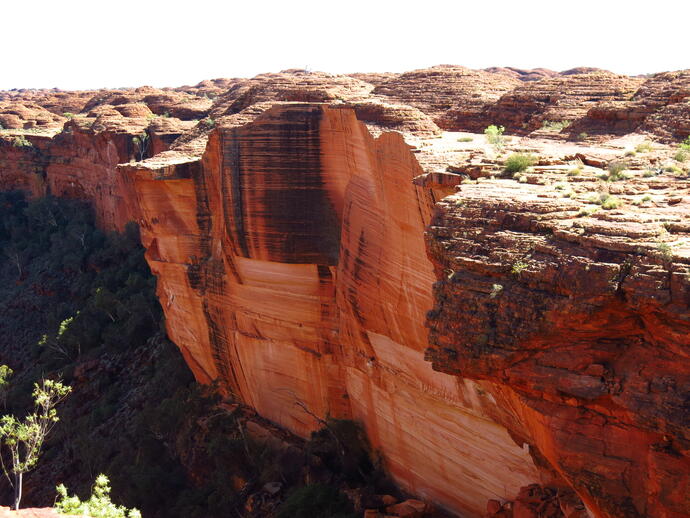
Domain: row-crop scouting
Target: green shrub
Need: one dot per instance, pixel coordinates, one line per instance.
(615, 168)
(605, 200)
(556, 125)
(23, 438)
(611, 202)
(681, 155)
(494, 135)
(21, 141)
(98, 505)
(518, 267)
(496, 290)
(615, 171)
(519, 162)
(644, 147)
(685, 144)
(465, 139)
(674, 169)
(587, 211)
(665, 250)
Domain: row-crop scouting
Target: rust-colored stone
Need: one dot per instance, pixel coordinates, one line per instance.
(287, 238)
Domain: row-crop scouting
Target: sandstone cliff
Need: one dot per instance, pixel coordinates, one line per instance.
(291, 265)
(288, 241)
(581, 321)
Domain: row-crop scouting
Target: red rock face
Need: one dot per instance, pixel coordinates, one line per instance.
(80, 161)
(292, 267)
(583, 332)
(22, 167)
(288, 243)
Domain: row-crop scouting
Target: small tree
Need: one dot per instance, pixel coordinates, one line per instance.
(494, 136)
(24, 438)
(98, 506)
(142, 143)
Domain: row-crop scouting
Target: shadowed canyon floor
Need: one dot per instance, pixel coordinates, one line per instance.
(513, 341)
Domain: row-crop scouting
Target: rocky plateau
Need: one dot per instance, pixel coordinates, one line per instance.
(515, 345)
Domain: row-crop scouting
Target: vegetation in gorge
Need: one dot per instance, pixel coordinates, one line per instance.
(80, 304)
(22, 439)
(98, 505)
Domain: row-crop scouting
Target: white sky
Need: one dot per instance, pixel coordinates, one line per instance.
(80, 44)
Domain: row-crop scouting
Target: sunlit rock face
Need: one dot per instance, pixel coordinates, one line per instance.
(292, 268)
(288, 243)
(582, 330)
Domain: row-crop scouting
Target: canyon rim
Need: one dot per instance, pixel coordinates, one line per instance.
(513, 339)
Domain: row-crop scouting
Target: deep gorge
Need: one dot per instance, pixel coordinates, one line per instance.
(312, 263)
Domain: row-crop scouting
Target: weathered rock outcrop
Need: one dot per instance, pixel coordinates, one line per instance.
(287, 238)
(27, 115)
(660, 106)
(292, 267)
(290, 86)
(562, 98)
(530, 74)
(453, 96)
(581, 322)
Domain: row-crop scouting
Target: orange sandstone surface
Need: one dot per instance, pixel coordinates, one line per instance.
(323, 248)
(292, 266)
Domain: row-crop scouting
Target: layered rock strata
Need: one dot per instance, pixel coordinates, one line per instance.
(287, 240)
(580, 320)
(292, 267)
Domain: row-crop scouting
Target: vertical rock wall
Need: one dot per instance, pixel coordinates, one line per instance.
(582, 330)
(292, 268)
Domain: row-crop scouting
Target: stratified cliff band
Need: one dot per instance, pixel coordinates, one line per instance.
(530, 342)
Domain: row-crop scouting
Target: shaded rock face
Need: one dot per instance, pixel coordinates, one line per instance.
(584, 334)
(291, 266)
(80, 161)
